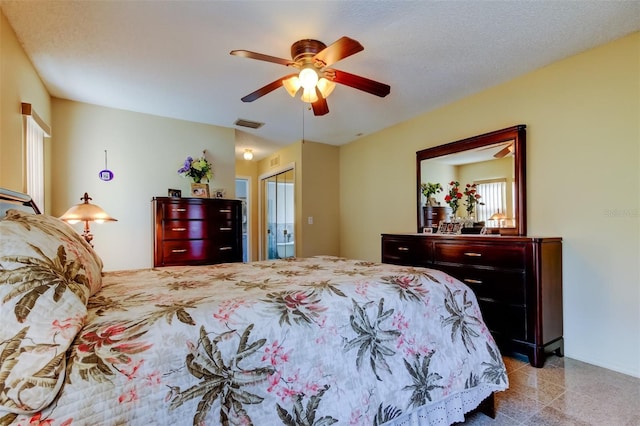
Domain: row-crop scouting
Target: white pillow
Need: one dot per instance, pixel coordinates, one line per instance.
(47, 273)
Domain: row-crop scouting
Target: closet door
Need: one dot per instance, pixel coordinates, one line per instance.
(278, 210)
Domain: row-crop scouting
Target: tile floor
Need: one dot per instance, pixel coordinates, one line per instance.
(564, 392)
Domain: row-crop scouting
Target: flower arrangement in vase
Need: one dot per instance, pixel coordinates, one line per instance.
(472, 198)
(453, 196)
(197, 169)
(429, 189)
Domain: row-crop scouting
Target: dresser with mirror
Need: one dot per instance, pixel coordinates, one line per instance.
(516, 278)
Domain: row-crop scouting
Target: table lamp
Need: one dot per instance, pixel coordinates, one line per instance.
(88, 213)
(500, 217)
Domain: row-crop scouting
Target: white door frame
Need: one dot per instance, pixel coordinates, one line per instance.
(248, 205)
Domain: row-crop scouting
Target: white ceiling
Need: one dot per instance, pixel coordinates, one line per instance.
(171, 58)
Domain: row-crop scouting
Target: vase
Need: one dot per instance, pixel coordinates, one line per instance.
(200, 190)
(469, 222)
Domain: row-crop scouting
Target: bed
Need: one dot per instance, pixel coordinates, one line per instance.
(302, 341)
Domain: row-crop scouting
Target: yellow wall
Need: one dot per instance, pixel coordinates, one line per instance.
(583, 184)
(316, 194)
(144, 152)
(320, 189)
(19, 83)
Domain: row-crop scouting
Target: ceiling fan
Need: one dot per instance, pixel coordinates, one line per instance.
(504, 151)
(312, 59)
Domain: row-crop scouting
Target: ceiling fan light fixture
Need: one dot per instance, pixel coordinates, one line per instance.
(326, 87)
(308, 78)
(309, 95)
(292, 85)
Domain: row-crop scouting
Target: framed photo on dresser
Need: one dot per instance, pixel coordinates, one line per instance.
(200, 190)
(450, 228)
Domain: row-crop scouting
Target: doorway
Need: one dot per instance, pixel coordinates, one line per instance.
(278, 215)
(242, 193)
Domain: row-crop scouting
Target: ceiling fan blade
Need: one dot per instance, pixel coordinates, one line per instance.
(320, 106)
(262, 57)
(360, 83)
(266, 89)
(503, 152)
(340, 49)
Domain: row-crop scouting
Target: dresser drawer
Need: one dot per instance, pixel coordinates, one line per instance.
(224, 235)
(185, 230)
(227, 253)
(504, 321)
(222, 213)
(198, 229)
(224, 227)
(177, 252)
(508, 286)
(494, 256)
(412, 251)
(192, 251)
(184, 211)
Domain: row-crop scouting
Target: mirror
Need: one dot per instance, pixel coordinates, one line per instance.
(495, 162)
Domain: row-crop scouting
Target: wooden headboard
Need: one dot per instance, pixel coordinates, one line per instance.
(16, 200)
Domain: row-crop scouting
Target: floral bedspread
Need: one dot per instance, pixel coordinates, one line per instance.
(312, 341)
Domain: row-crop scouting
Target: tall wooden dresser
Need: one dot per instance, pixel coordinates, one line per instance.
(433, 215)
(196, 231)
(517, 281)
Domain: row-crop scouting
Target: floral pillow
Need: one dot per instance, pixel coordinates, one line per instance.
(47, 273)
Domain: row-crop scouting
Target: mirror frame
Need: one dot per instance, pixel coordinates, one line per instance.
(515, 133)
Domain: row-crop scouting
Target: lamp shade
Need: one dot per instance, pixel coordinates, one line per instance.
(248, 154)
(326, 87)
(497, 216)
(309, 95)
(292, 85)
(86, 212)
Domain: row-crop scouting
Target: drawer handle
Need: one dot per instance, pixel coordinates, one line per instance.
(225, 210)
(403, 249)
(226, 229)
(472, 281)
(178, 229)
(472, 254)
(179, 251)
(226, 248)
(178, 210)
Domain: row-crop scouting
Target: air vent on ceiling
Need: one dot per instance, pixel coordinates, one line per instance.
(248, 123)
